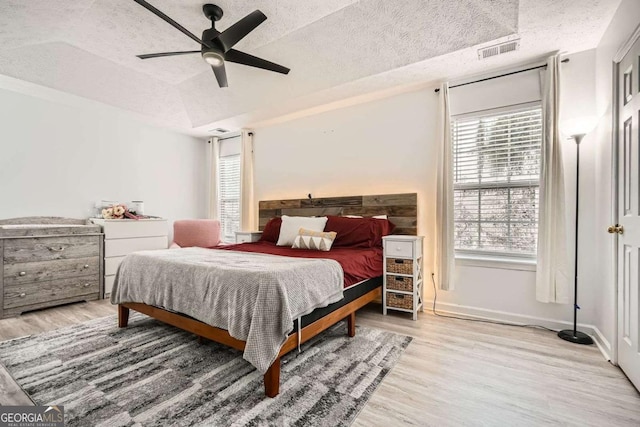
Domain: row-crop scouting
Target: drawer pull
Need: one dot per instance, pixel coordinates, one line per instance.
(53, 249)
(86, 285)
(398, 261)
(86, 266)
(399, 279)
(22, 295)
(22, 273)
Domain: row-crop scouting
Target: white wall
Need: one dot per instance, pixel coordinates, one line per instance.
(510, 294)
(388, 146)
(382, 147)
(58, 158)
(620, 29)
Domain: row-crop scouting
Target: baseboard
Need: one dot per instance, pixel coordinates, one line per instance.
(521, 319)
(602, 343)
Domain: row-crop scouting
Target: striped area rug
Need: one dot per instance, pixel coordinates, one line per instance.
(151, 374)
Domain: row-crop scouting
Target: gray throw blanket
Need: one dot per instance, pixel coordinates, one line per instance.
(255, 297)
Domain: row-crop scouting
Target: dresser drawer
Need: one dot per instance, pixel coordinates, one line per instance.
(399, 265)
(111, 265)
(403, 301)
(108, 283)
(396, 248)
(28, 272)
(243, 238)
(248, 236)
(121, 247)
(49, 291)
(400, 283)
(125, 229)
(50, 248)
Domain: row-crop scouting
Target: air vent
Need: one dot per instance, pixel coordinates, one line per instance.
(218, 130)
(498, 49)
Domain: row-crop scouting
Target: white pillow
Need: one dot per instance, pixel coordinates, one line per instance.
(291, 225)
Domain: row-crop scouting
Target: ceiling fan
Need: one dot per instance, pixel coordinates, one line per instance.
(217, 47)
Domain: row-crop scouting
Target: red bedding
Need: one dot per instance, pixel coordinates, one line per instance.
(358, 263)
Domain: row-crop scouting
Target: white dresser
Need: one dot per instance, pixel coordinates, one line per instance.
(123, 236)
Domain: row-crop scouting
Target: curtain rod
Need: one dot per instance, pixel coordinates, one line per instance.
(501, 75)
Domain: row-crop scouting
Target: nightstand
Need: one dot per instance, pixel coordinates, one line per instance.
(403, 278)
(248, 236)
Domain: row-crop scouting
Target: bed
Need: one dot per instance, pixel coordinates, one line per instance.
(361, 281)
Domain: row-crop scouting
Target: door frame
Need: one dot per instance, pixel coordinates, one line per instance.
(615, 116)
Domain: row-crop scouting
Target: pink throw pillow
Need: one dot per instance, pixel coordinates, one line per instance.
(203, 233)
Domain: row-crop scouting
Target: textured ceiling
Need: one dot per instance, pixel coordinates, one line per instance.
(335, 48)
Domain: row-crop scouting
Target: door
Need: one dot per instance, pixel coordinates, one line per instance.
(629, 214)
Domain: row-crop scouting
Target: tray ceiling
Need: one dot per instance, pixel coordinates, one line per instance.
(335, 49)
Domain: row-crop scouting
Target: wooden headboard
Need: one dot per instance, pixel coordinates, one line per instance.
(402, 209)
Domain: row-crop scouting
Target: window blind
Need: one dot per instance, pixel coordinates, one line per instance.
(229, 196)
(496, 180)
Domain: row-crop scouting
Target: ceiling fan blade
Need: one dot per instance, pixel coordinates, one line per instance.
(240, 29)
(158, 55)
(171, 22)
(221, 75)
(253, 61)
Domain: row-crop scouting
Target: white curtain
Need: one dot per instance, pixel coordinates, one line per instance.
(213, 156)
(553, 281)
(444, 251)
(248, 214)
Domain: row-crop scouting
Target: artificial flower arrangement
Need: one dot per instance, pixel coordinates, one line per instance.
(118, 211)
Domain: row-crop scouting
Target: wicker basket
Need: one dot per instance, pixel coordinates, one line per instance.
(400, 283)
(400, 300)
(399, 265)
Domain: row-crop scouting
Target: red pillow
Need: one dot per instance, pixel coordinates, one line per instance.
(358, 232)
(271, 231)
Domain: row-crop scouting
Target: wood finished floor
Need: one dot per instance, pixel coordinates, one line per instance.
(453, 373)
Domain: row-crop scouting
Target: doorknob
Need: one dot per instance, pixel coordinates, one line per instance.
(613, 229)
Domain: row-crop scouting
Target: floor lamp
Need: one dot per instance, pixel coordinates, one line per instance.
(574, 335)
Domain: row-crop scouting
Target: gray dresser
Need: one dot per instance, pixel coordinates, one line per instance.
(47, 261)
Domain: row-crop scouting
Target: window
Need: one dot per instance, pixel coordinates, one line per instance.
(496, 157)
(229, 189)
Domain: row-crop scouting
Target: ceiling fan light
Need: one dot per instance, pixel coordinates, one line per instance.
(213, 58)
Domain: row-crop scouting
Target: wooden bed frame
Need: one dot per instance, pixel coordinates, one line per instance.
(401, 209)
(272, 376)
